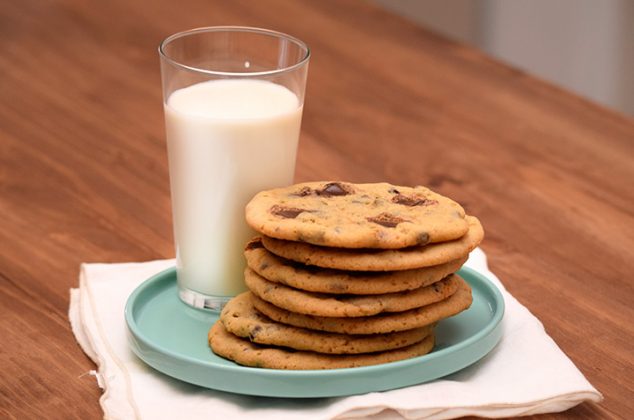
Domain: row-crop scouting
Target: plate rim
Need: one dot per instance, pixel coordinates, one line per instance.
(164, 276)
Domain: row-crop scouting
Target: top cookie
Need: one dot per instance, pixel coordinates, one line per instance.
(345, 215)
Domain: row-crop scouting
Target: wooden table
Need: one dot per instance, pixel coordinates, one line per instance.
(83, 170)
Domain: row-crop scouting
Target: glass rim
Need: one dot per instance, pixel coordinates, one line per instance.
(261, 31)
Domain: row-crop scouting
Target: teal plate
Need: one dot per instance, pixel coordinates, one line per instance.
(172, 338)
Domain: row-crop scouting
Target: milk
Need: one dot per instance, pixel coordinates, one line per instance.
(227, 140)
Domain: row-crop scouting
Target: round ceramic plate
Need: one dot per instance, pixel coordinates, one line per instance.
(172, 338)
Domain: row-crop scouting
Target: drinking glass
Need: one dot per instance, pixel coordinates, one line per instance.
(233, 100)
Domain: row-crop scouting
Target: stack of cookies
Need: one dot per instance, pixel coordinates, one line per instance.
(346, 275)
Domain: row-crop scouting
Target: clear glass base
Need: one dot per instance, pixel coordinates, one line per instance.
(201, 301)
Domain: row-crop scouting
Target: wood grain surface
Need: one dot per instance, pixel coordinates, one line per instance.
(83, 170)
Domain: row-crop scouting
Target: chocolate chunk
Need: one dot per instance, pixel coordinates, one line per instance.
(334, 189)
(305, 191)
(394, 191)
(387, 220)
(412, 200)
(423, 238)
(286, 212)
(254, 332)
(254, 244)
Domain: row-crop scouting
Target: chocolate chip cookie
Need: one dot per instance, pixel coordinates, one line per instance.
(379, 260)
(377, 324)
(327, 305)
(313, 279)
(346, 215)
(240, 318)
(244, 352)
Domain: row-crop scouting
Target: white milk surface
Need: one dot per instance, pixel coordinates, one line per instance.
(227, 140)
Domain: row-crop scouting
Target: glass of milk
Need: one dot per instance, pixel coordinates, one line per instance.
(233, 99)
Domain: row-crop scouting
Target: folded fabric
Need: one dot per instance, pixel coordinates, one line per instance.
(525, 374)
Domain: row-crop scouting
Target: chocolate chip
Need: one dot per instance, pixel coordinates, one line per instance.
(286, 212)
(412, 200)
(423, 238)
(334, 189)
(254, 244)
(254, 332)
(386, 220)
(394, 191)
(305, 191)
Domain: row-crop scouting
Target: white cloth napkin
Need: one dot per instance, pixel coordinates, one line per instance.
(525, 374)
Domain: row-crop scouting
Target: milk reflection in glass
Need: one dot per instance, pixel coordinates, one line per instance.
(227, 140)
